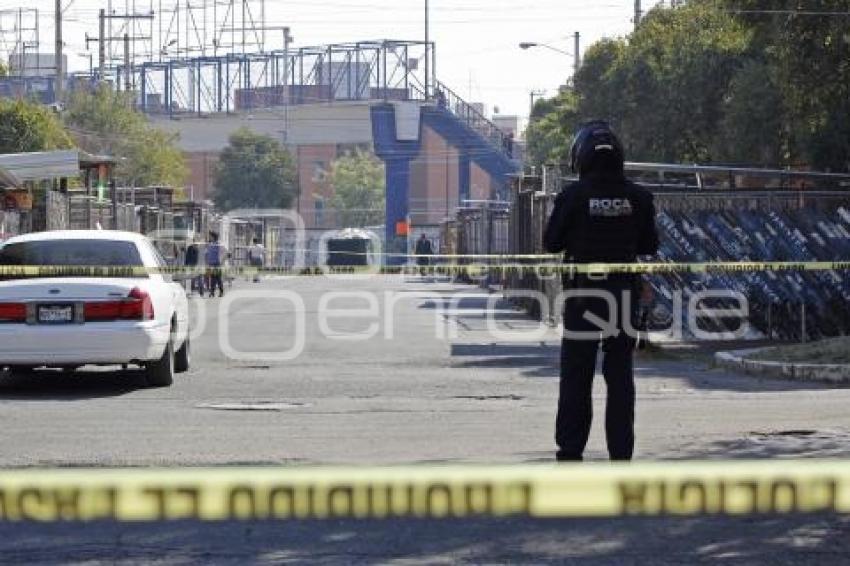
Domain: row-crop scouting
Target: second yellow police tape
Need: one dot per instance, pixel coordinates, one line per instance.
(13, 271)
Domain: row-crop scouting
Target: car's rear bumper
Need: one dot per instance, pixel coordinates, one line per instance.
(78, 344)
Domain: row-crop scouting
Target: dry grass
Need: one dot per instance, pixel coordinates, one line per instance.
(830, 351)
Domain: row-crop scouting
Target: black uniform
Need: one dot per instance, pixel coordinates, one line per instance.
(603, 217)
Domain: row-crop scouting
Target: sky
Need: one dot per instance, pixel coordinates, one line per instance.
(476, 40)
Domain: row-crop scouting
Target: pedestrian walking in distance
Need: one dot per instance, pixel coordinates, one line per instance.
(196, 280)
(257, 257)
(602, 217)
(215, 258)
(423, 251)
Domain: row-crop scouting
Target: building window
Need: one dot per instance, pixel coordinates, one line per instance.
(319, 212)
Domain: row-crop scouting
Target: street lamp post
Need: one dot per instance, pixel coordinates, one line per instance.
(525, 45)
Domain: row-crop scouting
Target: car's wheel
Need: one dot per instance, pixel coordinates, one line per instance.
(183, 357)
(161, 372)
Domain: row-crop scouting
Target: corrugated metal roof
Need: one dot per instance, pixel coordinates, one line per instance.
(41, 165)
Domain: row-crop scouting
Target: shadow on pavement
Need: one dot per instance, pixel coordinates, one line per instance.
(764, 444)
(533, 360)
(543, 360)
(702, 375)
(690, 363)
(49, 385)
(777, 540)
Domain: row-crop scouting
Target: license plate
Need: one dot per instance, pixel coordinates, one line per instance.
(55, 314)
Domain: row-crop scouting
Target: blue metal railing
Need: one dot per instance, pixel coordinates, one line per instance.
(473, 118)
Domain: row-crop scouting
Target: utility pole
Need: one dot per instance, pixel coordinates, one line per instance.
(101, 44)
(638, 13)
(576, 53)
(533, 94)
(127, 74)
(427, 47)
(60, 71)
(127, 40)
(287, 40)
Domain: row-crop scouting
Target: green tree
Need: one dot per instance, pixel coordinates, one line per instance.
(3, 69)
(600, 80)
(105, 122)
(752, 128)
(254, 171)
(550, 128)
(359, 186)
(743, 81)
(663, 87)
(809, 56)
(667, 85)
(26, 126)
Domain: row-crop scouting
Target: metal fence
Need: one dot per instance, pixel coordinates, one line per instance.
(477, 230)
(698, 226)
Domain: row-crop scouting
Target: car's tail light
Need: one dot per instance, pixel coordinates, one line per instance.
(137, 306)
(13, 312)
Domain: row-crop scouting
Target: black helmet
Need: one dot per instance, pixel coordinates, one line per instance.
(596, 146)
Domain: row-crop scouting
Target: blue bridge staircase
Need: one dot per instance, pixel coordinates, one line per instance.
(477, 139)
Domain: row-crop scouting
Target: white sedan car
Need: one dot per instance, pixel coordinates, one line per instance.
(71, 321)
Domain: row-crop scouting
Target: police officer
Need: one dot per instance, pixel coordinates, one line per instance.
(602, 217)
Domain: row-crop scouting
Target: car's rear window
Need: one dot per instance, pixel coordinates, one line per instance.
(71, 253)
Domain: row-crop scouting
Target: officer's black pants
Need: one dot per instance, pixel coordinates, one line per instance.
(578, 363)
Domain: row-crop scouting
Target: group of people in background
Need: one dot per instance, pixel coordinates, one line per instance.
(215, 255)
(207, 266)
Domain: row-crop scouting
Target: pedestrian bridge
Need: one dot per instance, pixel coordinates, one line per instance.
(376, 92)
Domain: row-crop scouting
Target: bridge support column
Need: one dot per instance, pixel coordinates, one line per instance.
(396, 153)
(397, 208)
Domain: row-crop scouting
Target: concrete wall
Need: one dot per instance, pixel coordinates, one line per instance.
(433, 180)
(338, 123)
(480, 183)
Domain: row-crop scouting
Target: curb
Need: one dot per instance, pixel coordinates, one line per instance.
(824, 373)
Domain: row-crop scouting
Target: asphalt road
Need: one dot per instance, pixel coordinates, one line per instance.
(425, 372)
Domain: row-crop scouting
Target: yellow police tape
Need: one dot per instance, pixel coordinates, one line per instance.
(481, 269)
(548, 490)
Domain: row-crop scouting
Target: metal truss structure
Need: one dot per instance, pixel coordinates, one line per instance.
(368, 70)
(181, 29)
(19, 36)
(131, 18)
(184, 57)
(199, 28)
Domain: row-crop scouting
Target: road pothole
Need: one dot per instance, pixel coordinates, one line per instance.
(254, 406)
